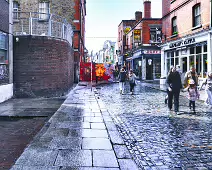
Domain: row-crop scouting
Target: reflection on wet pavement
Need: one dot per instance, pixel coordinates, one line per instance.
(156, 137)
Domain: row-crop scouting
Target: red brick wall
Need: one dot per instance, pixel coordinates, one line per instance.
(183, 11)
(43, 66)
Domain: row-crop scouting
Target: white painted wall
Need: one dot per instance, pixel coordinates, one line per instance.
(6, 92)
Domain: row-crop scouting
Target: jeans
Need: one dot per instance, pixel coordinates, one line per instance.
(176, 95)
(192, 103)
(132, 85)
(121, 86)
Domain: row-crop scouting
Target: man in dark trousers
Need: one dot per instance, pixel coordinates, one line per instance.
(174, 85)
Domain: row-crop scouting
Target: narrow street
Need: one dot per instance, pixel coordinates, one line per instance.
(156, 137)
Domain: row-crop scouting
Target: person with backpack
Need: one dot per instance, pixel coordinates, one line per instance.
(122, 79)
(132, 80)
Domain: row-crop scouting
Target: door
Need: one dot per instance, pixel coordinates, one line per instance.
(149, 69)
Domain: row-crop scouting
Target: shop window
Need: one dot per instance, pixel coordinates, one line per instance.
(196, 15)
(205, 48)
(198, 49)
(15, 10)
(177, 53)
(44, 11)
(205, 65)
(3, 49)
(174, 26)
(192, 50)
(198, 64)
(176, 61)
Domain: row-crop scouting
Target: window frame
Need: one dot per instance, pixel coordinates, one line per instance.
(174, 26)
(4, 47)
(15, 10)
(196, 17)
(44, 11)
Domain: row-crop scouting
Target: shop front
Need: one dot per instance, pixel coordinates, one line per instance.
(186, 52)
(146, 63)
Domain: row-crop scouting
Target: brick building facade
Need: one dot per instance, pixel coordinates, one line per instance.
(43, 49)
(79, 35)
(186, 36)
(6, 52)
(141, 43)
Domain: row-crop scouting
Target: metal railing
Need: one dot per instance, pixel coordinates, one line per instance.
(41, 24)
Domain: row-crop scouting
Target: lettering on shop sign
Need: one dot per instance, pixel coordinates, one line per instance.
(182, 43)
(152, 52)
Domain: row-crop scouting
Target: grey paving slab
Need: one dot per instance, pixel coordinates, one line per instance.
(37, 157)
(88, 168)
(98, 126)
(127, 164)
(115, 137)
(74, 158)
(104, 158)
(95, 133)
(93, 119)
(122, 151)
(96, 143)
(66, 143)
(19, 167)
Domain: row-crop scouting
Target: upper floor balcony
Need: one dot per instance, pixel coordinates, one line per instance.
(42, 24)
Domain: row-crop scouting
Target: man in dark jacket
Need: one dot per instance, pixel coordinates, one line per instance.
(174, 85)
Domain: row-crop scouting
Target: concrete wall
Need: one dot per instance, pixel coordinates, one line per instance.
(43, 66)
(6, 92)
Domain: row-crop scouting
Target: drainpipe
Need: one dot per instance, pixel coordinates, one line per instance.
(10, 41)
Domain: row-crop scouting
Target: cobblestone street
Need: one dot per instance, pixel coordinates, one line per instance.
(156, 137)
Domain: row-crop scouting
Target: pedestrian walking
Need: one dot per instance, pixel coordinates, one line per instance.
(208, 89)
(191, 74)
(174, 85)
(132, 80)
(193, 94)
(167, 96)
(122, 79)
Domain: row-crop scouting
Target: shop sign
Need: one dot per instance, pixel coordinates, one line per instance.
(152, 52)
(182, 43)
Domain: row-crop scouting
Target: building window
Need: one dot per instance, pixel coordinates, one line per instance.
(3, 48)
(155, 35)
(174, 26)
(44, 11)
(15, 10)
(196, 15)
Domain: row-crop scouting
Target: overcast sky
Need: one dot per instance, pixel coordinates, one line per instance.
(104, 16)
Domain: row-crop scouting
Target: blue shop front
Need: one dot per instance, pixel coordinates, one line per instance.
(146, 63)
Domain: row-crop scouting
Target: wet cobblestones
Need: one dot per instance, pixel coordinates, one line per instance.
(156, 137)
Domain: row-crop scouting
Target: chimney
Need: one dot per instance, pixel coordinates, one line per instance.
(138, 16)
(147, 9)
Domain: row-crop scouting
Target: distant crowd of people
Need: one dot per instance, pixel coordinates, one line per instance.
(174, 86)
